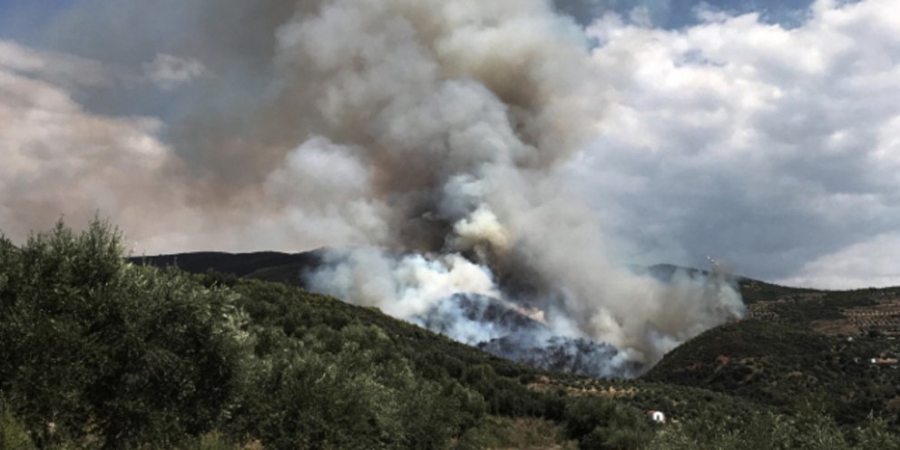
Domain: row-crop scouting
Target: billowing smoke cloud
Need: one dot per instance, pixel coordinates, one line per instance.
(423, 137)
(625, 325)
(461, 112)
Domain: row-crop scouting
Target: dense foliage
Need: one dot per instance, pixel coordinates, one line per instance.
(96, 352)
(99, 352)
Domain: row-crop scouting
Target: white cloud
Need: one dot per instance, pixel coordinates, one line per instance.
(57, 68)
(871, 263)
(168, 72)
(59, 159)
(766, 146)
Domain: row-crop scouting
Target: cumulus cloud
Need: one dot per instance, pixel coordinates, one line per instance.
(767, 146)
(872, 262)
(59, 159)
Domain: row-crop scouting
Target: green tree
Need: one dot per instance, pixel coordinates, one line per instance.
(99, 347)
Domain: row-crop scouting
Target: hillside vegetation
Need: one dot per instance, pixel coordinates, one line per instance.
(787, 367)
(96, 352)
(835, 313)
(836, 350)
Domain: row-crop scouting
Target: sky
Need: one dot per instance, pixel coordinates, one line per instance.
(762, 134)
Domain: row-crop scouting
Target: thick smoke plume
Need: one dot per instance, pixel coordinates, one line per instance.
(423, 136)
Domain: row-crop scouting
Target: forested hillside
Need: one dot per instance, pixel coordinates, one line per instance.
(96, 352)
(851, 377)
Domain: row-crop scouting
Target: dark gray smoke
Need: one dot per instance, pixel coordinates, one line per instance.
(425, 135)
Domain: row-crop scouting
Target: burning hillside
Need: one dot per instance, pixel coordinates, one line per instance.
(422, 140)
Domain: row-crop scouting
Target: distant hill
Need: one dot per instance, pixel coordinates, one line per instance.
(835, 313)
(269, 266)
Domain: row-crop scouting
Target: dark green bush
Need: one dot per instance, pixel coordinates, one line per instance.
(104, 349)
(601, 424)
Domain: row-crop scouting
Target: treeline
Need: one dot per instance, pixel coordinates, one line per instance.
(99, 353)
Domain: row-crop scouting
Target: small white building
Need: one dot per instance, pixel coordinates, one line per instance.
(657, 416)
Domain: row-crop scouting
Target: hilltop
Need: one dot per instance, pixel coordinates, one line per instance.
(833, 313)
(268, 266)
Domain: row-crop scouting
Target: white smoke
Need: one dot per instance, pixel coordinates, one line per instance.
(426, 134)
(405, 286)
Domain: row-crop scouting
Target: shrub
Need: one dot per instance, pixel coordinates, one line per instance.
(102, 348)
